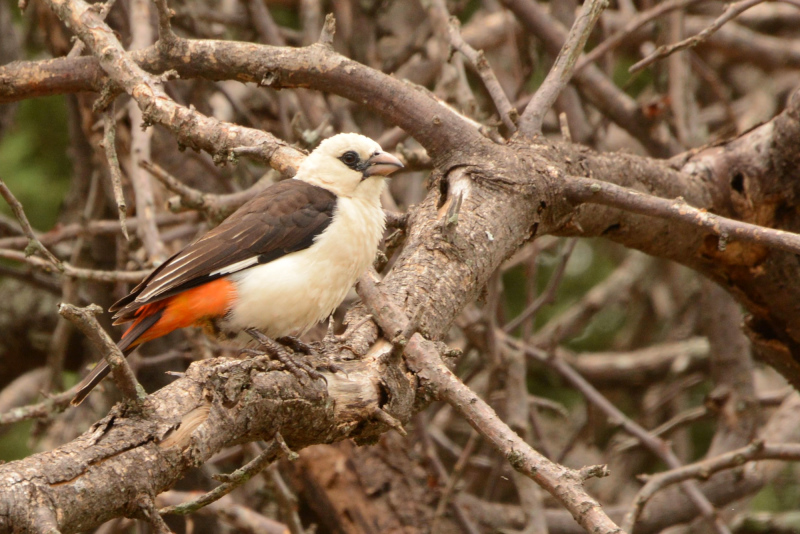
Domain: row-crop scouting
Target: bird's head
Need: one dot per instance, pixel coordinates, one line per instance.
(349, 165)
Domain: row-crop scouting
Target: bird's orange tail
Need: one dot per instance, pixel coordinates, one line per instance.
(159, 318)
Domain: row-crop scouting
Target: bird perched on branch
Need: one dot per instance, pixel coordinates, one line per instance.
(279, 264)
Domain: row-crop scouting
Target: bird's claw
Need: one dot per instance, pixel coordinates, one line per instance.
(279, 352)
(297, 368)
(335, 368)
(297, 345)
(251, 352)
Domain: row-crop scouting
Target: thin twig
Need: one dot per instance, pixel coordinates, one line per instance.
(549, 294)
(286, 499)
(85, 320)
(731, 11)
(686, 417)
(217, 137)
(631, 26)
(656, 445)
(148, 509)
(328, 31)
(93, 228)
(561, 72)
(29, 276)
(440, 472)
(77, 48)
(585, 190)
(703, 470)
(379, 414)
(76, 272)
(592, 82)
(34, 244)
(240, 517)
(110, 146)
(59, 342)
(47, 408)
(268, 30)
(233, 481)
(615, 287)
(455, 476)
(141, 138)
(215, 207)
(166, 37)
(507, 112)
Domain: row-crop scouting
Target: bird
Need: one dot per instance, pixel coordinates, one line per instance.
(279, 264)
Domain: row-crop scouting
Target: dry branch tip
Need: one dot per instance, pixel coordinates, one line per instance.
(328, 31)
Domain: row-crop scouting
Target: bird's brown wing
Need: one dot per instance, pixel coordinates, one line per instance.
(284, 218)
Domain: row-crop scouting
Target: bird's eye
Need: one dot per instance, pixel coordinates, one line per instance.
(349, 158)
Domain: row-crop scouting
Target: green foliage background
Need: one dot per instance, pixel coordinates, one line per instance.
(34, 159)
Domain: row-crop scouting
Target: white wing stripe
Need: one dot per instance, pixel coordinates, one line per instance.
(238, 266)
(228, 269)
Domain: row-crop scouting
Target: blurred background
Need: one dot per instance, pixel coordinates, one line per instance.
(653, 338)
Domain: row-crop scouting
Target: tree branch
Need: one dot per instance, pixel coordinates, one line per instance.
(580, 190)
(562, 483)
(561, 72)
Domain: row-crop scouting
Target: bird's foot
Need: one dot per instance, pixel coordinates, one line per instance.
(297, 345)
(279, 352)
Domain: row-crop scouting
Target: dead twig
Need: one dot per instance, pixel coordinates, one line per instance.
(447, 494)
(232, 481)
(147, 507)
(215, 207)
(240, 517)
(730, 12)
(566, 485)
(549, 294)
(630, 27)
(84, 319)
(166, 37)
(75, 272)
(110, 147)
(286, 499)
(440, 473)
(703, 470)
(34, 245)
(508, 114)
(657, 446)
(561, 72)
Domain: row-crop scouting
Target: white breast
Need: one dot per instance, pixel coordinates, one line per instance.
(291, 294)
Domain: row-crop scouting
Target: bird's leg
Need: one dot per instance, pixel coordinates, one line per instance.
(330, 335)
(275, 349)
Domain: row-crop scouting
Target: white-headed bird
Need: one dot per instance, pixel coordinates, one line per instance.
(279, 264)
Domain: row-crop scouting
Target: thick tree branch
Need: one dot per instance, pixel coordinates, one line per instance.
(413, 109)
(503, 196)
(580, 190)
(218, 403)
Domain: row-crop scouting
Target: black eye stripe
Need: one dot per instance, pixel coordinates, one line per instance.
(353, 160)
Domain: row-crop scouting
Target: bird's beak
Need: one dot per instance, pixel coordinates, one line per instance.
(383, 164)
